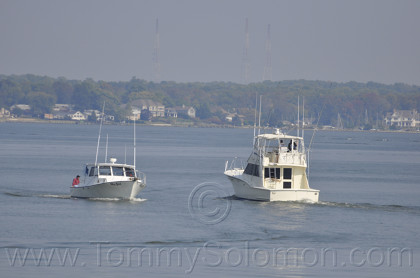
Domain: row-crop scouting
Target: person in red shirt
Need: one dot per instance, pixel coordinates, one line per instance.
(76, 181)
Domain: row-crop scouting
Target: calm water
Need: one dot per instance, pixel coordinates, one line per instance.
(366, 224)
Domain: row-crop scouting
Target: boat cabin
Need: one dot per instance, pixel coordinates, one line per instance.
(119, 170)
(278, 162)
(110, 169)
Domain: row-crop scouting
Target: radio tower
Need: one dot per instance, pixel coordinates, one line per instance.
(267, 69)
(245, 59)
(156, 64)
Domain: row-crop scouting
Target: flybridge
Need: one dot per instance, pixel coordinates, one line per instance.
(278, 148)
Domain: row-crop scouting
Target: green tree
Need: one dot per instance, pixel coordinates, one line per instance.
(203, 111)
(92, 118)
(145, 115)
(63, 89)
(86, 96)
(40, 103)
(10, 93)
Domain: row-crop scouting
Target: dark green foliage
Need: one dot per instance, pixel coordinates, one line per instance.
(213, 100)
(145, 115)
(40, 103)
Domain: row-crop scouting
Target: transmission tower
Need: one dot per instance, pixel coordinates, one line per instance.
(156, 64)
(245, 59)
(267, 68)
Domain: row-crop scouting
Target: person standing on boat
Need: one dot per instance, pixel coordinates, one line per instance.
(289, 147)
(76, 181)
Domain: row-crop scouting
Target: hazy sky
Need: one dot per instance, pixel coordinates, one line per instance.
(353, 40)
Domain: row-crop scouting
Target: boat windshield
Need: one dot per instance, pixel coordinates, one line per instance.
(118, 171)
(104, 170)
(93, 171)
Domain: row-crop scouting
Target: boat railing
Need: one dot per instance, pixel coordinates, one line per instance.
(292, 157)
(236, 164)
(141, 176)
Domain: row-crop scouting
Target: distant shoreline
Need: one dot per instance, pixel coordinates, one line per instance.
(43, 121)
(201, 125)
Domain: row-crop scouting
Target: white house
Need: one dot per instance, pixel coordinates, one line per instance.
(23, 107)
(156, 109)
(78, 116)
(4, 113)
(403, 118)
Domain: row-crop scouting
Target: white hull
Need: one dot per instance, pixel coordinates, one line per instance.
(244, 190)
(116, 189)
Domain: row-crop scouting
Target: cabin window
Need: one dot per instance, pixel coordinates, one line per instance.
(93, 171)
(118, 171)
(273, 173)
(287, 185)
(249, 169)
(129, 172)
(287, 173)
(252, 169)
(105, 170)
(266, 173)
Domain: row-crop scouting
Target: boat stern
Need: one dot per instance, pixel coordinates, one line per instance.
(300, 195)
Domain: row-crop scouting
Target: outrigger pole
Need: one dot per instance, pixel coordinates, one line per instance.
(134, 142)
(303, 117)
(99, 136)
(106, 148)
(259, 117)
(298, 118)
(255, 119)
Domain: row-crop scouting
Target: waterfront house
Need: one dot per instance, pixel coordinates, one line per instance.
(403, 118)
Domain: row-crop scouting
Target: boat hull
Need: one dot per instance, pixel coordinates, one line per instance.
(112, 190)
(244, 190)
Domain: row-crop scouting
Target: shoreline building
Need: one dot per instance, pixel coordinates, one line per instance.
(403, 118)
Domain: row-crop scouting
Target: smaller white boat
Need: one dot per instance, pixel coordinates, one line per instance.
(276, 170)
(110, 180)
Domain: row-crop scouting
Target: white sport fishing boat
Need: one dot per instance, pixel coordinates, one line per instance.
(275, 170)
(110, 179)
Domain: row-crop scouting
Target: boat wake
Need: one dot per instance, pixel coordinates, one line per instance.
(54, 196)
(114, 199)
(63, 196)
(369, 206)
(363, 206)
(137, 200)
(33, 194)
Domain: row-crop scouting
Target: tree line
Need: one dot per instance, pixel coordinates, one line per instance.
(357, 103)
